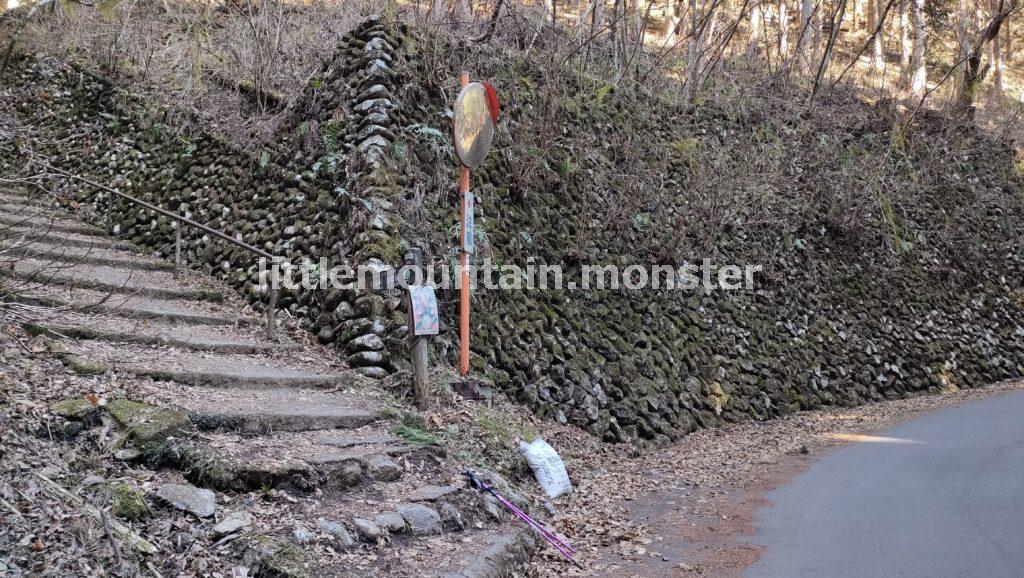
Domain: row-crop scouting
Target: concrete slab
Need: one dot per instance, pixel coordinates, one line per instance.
(29, 201)
(228, 370)
(43, 219)
(150, 332)
(134, 306)
(299, 453)
(85, 255)
(31, 234)
(280, 409)
(119, 280)
(239, 374)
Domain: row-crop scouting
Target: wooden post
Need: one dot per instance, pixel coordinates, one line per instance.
(177, 248)
(464, 295)
(418, 344)
(110, 213)
(272, 300)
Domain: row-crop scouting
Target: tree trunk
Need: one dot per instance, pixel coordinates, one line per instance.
(826, 58)
(637, 6)
(462, 12)
(1008, 41)
(756, 20)
(919, 36)
(997, 53)
(906, 46)
(783, 30)
(492, 24)
(974, 72)
(693, 50)
(671, 23)
(806, 47)
(874, 16)
(436, 11)
(858, 14)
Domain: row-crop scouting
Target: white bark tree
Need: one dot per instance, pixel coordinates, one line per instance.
(671, 23)
(756, 25)
(919, 39)
(436, 11)
(462, 12)
(1008, 39)
(996, 51)
(808, 33)
(874, 16)
(783, 30)
(906, 46)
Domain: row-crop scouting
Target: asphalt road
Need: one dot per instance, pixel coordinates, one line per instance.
(945, 497)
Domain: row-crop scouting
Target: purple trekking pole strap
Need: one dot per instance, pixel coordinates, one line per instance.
(563, 548)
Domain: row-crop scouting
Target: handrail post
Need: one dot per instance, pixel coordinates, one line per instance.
(272, 300)
(110, 213)
(177, 247)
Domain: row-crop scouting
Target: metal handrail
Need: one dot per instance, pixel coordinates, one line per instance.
(274, 260)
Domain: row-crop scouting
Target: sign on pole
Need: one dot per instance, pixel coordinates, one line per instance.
(425, 319)
(474, 117)
(467, 224)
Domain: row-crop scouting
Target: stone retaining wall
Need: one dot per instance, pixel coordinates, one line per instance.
(363, 169)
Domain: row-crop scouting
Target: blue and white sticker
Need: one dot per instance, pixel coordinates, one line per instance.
(467, 222)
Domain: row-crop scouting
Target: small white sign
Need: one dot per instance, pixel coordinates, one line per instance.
(467, 223)
(425, 317)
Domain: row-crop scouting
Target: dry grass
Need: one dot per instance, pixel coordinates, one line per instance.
(190, 55)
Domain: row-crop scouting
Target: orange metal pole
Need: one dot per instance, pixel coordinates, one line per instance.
(464, 296)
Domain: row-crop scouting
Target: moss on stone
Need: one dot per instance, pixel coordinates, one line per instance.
(272, 558)
(74, 408)
(203, 465)
(127, 502)
(148, 426)
(83, 366)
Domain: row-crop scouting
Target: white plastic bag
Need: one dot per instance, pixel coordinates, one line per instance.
(548, 468)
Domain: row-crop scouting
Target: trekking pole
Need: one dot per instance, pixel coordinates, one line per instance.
(540, 527)
(557, 543)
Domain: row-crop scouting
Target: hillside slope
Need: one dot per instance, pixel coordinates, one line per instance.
(891, 250)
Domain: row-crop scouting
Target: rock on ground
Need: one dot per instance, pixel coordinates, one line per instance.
(336, 531)
(393, 522)
(383, 469)
(367, 530)
(423, 521)
(202, 503)
(233, 522)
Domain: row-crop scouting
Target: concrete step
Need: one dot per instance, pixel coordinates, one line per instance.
(238, 373)
(280, 409)
(85, 255)
(115, 279)
(22, 193)
(38, 200)
(43, 219)
(17, 206)
(133, 306)
(221, 339)
(268, 371)
(302, 460)
(98, 240)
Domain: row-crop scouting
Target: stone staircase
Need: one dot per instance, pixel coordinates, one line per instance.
(281, 414)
